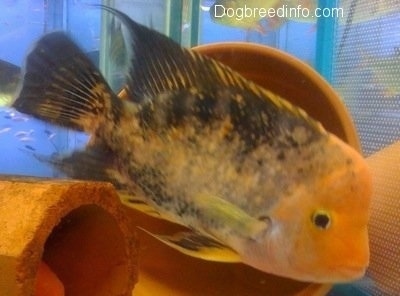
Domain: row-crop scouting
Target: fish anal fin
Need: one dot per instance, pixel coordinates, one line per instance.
(198, 246)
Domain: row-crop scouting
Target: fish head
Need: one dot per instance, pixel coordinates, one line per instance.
(319, 232)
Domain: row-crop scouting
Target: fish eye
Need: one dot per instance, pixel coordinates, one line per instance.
(321, 219)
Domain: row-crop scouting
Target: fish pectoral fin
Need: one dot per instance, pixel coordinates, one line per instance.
(199, 246)
(226, 220)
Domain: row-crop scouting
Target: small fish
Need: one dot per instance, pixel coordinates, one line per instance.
(50, 134)
(5, 130)
(19, 118)
(254, 178)
(9, 78)
(30, 147)
(26, 139)
(21, 134)
(16, 117)
(47, 132)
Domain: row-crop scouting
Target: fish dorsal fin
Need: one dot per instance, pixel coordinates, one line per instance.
(159, 65)
(198, 246)
(200, 85)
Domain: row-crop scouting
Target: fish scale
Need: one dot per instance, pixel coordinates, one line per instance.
(252, 177)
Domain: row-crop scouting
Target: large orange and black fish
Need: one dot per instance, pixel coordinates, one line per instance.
(254, 178)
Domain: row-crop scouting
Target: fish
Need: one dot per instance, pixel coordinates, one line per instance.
(9, 79)
(252, 177)
(26, 139)
(5, 129)
(30, 147)
(50, 134)
(25, 136)
(15, 116)
(21, 134)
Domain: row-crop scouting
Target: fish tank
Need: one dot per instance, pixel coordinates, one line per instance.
(354, 45)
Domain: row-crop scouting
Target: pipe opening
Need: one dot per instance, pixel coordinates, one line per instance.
(87, 252)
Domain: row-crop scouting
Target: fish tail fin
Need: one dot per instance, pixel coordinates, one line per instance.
(62, 86)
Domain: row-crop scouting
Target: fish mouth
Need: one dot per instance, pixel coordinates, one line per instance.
(350, 273)
(343, 274)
